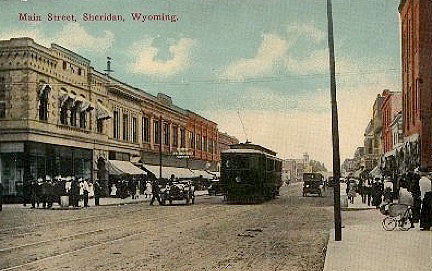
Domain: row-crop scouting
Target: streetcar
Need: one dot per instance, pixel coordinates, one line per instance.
(250, 173)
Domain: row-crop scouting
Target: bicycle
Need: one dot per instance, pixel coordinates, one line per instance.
(397, 217)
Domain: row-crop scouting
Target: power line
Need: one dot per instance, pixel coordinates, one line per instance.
(222, 82)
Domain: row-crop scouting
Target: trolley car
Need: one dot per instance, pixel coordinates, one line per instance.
(250, 173)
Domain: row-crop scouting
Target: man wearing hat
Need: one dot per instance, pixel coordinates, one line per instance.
(426, 199)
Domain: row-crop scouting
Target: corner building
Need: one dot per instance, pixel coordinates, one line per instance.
(59, 116)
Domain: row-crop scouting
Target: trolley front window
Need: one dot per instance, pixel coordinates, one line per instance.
(240, 162)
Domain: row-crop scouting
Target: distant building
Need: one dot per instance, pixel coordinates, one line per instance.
(391, 106)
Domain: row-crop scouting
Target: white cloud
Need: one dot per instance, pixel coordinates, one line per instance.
(146, 63)
(276, 52)
(316, 34)
(272, 49)
(72, 36)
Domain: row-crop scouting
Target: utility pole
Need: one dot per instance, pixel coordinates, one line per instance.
(335, 129)
(160, 147)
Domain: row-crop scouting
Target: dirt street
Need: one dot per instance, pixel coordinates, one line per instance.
(288, 233)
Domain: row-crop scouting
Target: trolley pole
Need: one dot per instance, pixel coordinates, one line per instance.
(335, 129)
(160, 147)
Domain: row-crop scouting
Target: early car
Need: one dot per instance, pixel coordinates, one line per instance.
(180, 190)
(313, 183)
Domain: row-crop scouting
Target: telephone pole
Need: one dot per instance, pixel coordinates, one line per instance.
(335, 129)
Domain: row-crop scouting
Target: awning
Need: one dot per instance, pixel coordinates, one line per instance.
(167, 171)
(202, 173)
(42, 89)
(117, 167)
(136, 160)
(102, 112)
(376, 172)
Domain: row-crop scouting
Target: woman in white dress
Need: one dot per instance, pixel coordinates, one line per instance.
(113, 190)
(148, 189)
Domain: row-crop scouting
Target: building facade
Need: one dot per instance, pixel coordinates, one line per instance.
(59, 116)
(416, 31)
(391, 106)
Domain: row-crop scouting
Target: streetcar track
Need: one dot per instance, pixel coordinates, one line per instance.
(215, 249)
(107, 242)
(35, 225)
(2, 250)
(109, 217)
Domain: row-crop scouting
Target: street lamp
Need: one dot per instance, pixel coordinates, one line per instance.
(335, 129)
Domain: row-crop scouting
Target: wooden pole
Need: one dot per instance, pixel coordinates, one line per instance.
(335, 129)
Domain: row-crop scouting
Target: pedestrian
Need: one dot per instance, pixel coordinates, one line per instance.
(414, 188)
(388, 191)
(44, 192)
(155, 192)
(351, 191)
(367, 190)
(148, 189)
(74, 192)
(26, 192)
(405, 197)
(33, 193)
(377, 191)
(85, 187)
(132, 187)
(50, 192)
(426, 199)
(97, 192)
(361, 190)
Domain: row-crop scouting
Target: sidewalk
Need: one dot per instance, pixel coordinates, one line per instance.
(358, 205)
(103, 201)
(369, 247)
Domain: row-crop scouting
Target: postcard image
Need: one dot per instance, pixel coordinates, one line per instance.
(215, 135)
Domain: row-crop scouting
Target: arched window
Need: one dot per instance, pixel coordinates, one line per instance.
(43, 93)
(63, 101)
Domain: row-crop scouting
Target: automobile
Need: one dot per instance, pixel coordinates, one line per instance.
(313, 184)
(179, 190)
(215, 188)
(331, 181)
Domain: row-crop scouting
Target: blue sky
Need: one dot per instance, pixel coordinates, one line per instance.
(267, 60)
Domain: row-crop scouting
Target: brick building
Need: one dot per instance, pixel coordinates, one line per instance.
(416, 31)
(391, 106)
(59, 116)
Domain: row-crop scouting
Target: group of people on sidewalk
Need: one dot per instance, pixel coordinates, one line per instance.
(45, 192)
(413, 189)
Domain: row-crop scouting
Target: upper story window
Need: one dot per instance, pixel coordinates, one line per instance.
(146, 129)
(157, 132)
(205, 144)
(43, 93)
(191, 140)
(182, 138)
(198, 141)
(116, 124)
(64, 65)
(175, 136)
(125, 127)
(166, 134)
(134, 130)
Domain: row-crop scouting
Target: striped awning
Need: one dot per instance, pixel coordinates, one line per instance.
(117, 167)
(102, 112)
